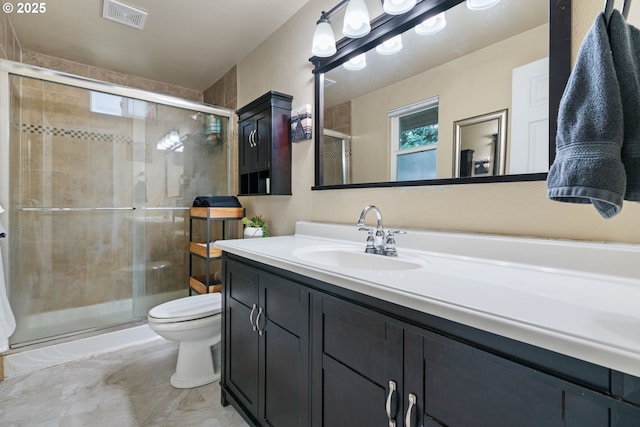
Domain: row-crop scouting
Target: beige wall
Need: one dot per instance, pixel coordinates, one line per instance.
(281, 63)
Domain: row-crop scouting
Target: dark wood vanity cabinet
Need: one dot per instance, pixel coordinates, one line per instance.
(266, 357)
(329, 357)
(264, 145)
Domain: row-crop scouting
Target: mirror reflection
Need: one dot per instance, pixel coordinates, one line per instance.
(480, 144)
(399, 111)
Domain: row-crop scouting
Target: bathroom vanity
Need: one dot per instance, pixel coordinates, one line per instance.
(458, 330)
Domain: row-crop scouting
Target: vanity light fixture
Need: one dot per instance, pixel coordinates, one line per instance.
(356, 19)
(324, 41)
(390, 46)
(356, 63)
(432, 25)
(398, 7)
(481, 4)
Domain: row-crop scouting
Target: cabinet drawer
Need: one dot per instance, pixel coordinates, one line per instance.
(241, 283)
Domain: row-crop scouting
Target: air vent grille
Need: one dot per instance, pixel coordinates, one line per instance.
(124, 14)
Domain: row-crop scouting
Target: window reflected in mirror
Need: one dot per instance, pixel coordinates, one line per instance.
(414, 141)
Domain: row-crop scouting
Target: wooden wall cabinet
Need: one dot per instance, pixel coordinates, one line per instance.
(264, 145)
(330, 357)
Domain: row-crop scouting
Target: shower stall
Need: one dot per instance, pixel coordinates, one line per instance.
(97, 180)
(336, 158)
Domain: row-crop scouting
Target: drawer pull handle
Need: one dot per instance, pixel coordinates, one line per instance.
(413, 400)
(260, 331)
(253, 325)
(392, 392)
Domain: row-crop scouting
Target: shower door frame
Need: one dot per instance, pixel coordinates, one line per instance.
(8, 68)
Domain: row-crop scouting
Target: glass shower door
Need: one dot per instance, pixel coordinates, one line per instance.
(100, 189)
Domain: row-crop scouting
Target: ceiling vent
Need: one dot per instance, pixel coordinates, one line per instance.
(124, 14)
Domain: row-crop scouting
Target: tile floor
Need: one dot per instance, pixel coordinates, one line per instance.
(127, 388)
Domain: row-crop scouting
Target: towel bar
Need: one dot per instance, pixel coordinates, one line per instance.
(608, 9)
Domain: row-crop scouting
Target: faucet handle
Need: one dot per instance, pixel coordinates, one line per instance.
(371, 247)
(390, 242)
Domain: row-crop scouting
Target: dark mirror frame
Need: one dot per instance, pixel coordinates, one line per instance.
(386, 26)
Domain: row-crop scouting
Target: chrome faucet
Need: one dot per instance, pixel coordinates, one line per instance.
(379, 243)
(375, 243)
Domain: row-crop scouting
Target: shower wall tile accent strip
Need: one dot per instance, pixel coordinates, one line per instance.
(76, 134)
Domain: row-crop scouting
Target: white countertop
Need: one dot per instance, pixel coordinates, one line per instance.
(576, 298)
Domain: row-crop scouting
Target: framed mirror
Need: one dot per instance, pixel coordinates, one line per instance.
(481, 61)
(480, 145)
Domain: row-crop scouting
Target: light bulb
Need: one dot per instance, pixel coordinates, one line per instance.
(356, 19)
(324, 41)
(432, 25)
(481, 4)
(398, 7)
(356, 63)
(390, 46)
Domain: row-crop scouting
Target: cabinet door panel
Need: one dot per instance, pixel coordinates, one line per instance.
(283, 303)
(263, 142)
(363, 340)
(247, 154)
(582, 412)
(242, 284)
(466, 387)
(285, 379)
(242, 355)
(351, 399)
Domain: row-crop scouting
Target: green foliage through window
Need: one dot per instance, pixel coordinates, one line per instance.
(419, 136)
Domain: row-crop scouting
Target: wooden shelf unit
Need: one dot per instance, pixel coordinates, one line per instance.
(206, 283)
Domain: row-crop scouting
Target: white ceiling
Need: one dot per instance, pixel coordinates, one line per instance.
(189, 43)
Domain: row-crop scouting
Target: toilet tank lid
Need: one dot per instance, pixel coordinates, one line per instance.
(188, 307)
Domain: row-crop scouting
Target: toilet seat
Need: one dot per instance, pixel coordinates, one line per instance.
(187, 308)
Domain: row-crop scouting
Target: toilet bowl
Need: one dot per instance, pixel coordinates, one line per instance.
(194, 322)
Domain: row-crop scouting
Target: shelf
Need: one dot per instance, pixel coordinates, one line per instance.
(201, 280)
(198, 284)
(198, 248)
(217, 213)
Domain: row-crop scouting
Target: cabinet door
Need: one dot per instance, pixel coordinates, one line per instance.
(254, 137)
(262, 146)
(246, 153)
(241, 346)
(284, 353)
(358, 363)
(466, 387)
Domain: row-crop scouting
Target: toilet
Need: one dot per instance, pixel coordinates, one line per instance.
(194, 322)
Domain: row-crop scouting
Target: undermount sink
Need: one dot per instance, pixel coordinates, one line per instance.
(352, 258)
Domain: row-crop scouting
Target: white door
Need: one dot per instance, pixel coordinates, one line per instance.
(529, 146)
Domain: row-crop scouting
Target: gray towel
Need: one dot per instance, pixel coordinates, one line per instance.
(588, 166)
(625, 48)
